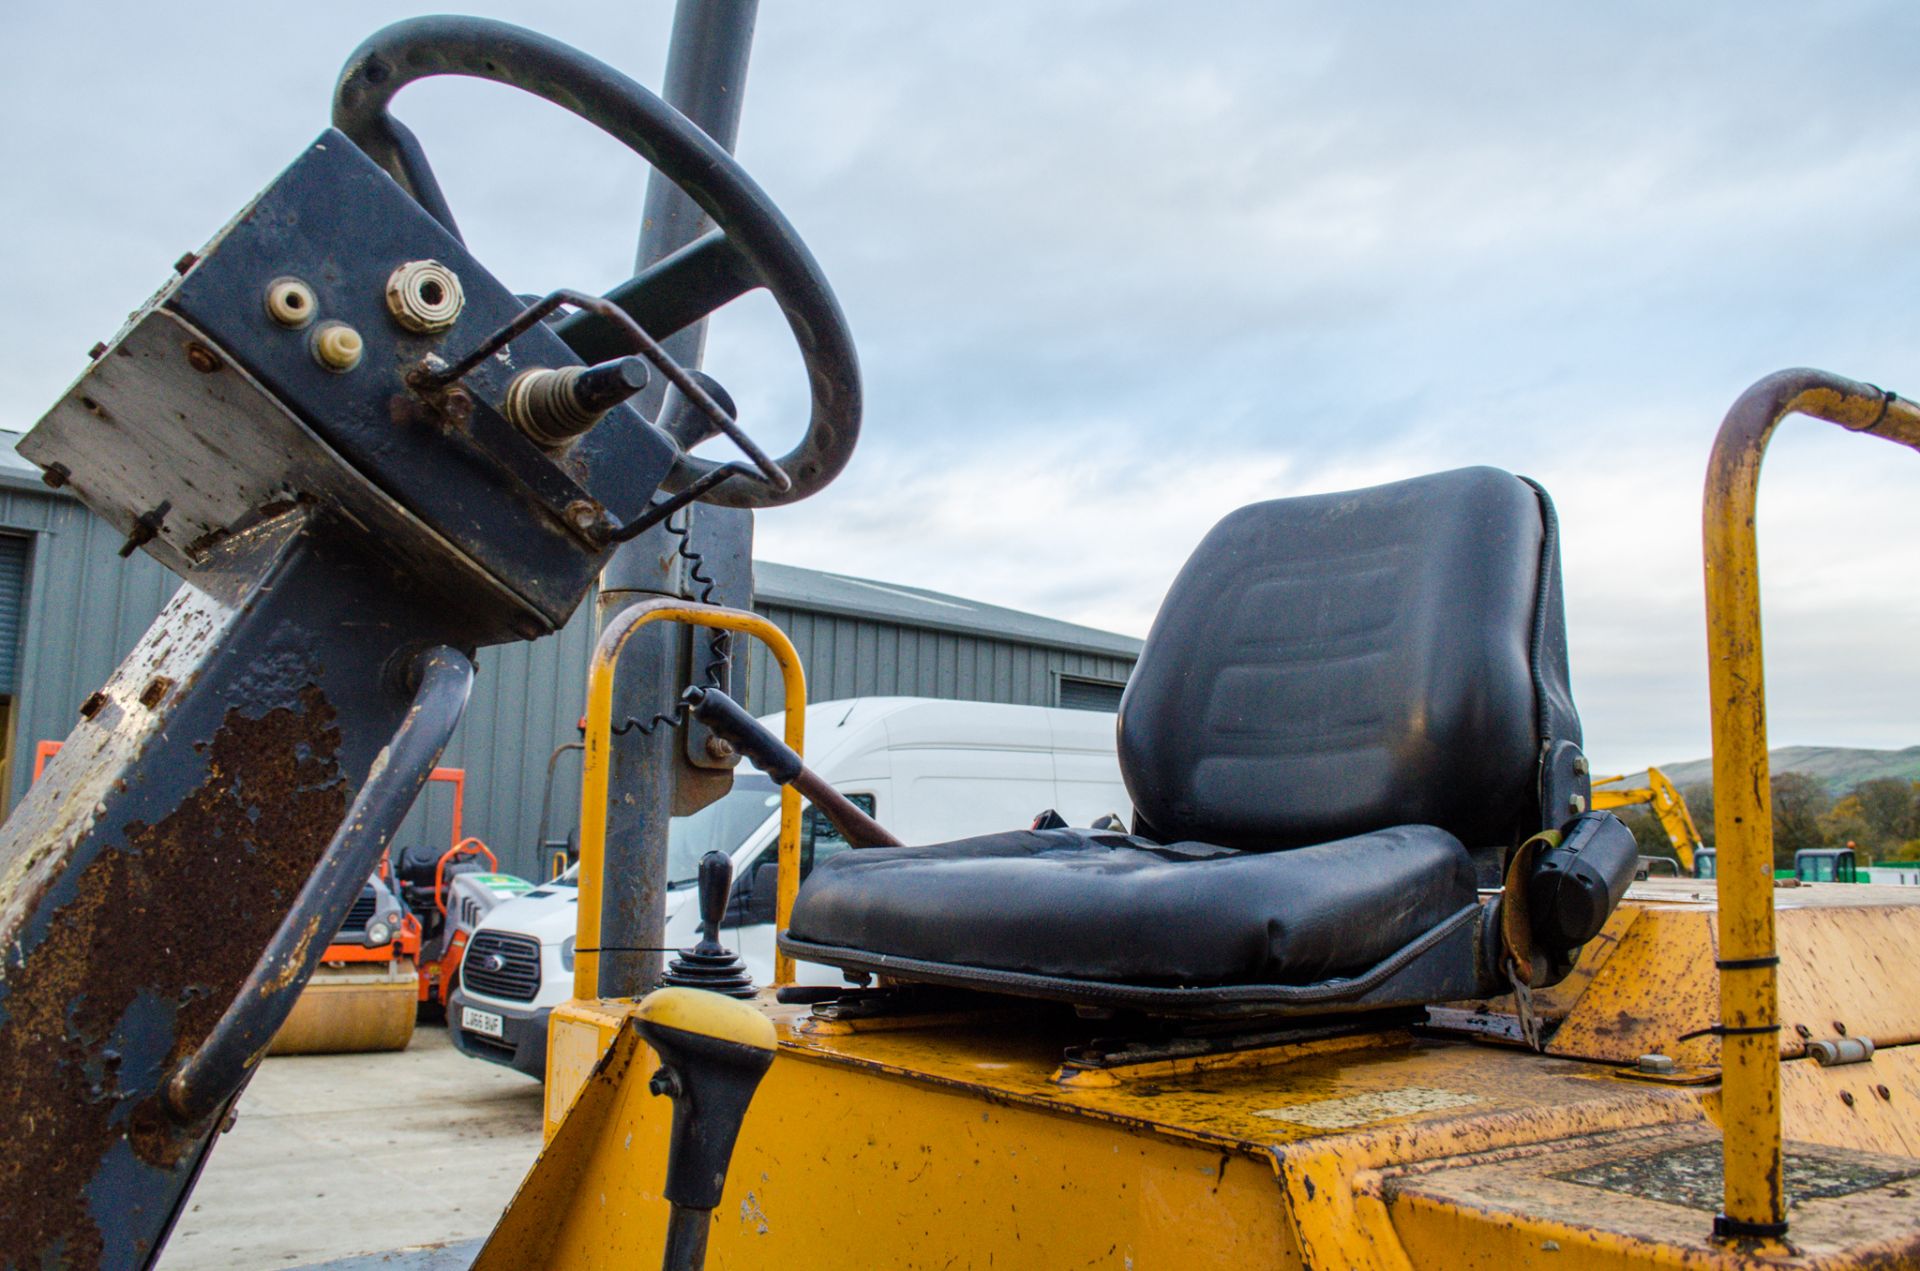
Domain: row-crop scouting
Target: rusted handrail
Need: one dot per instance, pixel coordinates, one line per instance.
(1755, 1201)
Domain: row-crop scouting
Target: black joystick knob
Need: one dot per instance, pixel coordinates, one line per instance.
(709, 964)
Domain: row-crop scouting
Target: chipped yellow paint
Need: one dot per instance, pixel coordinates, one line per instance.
(1871, 1107)
(1658, 986)
(1518, 1208)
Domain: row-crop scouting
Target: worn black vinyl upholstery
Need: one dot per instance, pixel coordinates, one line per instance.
(1114, 908)
(1342, 662)
(1337, 723)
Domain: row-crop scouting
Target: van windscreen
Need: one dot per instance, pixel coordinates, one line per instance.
(721, 826)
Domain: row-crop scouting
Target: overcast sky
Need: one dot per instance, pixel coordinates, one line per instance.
(1117, 268)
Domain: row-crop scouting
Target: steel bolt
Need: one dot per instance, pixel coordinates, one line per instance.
(1884, 1093)
(1576, 804)
(582, 515)
(202, 359)
(1846, 1097)
(1803, 1030)
(1656, 1065)
(94, 354)
(1839, 1028)
(719, 748)
(1580, 765)
(186, 262)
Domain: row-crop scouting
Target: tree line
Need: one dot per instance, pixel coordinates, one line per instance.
(1878, 818)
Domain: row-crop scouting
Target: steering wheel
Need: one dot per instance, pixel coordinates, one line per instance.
(753, 246)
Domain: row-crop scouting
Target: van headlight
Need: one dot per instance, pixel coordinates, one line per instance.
(378, 932)
(566, 953)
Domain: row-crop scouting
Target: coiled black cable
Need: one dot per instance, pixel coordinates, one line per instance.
(720, 647)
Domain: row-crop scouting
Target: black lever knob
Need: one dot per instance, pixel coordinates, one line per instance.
(710, 965)
(598, 389)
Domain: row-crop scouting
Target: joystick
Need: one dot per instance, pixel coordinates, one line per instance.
(710, 965)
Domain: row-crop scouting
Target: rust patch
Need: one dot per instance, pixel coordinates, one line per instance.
(168, 922)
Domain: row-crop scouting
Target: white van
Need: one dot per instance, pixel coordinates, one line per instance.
(930, 771)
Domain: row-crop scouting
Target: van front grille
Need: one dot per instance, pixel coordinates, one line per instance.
(501, 965)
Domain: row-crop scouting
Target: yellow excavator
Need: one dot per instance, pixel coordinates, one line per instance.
(1669, 808)
(1366, 983)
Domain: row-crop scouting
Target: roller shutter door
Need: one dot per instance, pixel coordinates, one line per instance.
(13, 594)
(1090, 695)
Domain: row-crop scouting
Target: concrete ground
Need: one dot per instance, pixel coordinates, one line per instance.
(343, 1154)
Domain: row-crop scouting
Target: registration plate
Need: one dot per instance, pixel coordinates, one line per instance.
(481, 1022)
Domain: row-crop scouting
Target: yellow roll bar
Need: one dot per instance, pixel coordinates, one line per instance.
(597, 764)
(1755, 1202)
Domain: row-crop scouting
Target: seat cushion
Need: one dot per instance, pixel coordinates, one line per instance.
(1327, 665)
(1098, 906)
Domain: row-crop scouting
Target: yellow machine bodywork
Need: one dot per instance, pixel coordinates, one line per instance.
(1678, 1116)
(352, 1007)
(963, 1141)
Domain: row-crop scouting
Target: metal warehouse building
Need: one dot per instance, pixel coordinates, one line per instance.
(71, 608)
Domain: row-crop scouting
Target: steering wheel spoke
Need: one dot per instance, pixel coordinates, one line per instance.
(671, 294)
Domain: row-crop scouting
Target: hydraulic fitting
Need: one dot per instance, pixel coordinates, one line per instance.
(555, 407)
(337, 346)
(424, 296)
(291, 302)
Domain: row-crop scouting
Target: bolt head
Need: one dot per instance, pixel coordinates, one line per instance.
(583, 515)
(719, 748)
(1656, 1065)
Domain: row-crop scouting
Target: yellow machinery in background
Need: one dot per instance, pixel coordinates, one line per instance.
(1669, 807)
(1708, 1055)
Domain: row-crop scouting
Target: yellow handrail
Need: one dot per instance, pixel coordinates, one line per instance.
(596, 768)
(1755, 1202)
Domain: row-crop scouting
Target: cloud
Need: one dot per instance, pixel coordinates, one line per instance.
(1115, 266)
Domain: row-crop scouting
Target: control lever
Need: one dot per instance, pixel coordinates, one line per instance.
(713, 1052)
(710, 965)
(750, 737)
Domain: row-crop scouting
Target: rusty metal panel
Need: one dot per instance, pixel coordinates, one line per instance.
(1845, 970)
(1658, 985)
(1644, 1199)
(1871, 1107)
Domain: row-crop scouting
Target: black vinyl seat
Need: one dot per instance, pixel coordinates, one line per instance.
(1350, 711)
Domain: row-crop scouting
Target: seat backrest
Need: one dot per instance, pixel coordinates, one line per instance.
(1328, 665)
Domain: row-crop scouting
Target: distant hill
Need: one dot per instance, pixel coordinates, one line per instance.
(1840, 767)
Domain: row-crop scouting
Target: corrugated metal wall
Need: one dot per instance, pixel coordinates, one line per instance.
(852, 657)
(86, 608)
